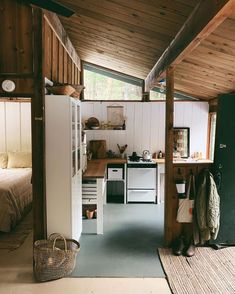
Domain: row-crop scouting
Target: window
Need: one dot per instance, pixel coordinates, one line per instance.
(103, 84)
(212, 131)
(160, 94)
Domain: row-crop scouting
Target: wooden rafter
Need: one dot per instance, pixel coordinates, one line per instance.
(205, 18)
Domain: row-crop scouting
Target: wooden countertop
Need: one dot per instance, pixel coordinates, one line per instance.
(184, 161)
(188, 162)
(159, 160)
(96, 168)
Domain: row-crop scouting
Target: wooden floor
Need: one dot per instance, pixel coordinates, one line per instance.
(16, 277)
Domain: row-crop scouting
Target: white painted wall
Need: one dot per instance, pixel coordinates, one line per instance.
(15, 126)
(145, 125)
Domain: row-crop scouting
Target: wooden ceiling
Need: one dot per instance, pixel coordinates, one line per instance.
(127, 36)
(130, 36)
(209, 70)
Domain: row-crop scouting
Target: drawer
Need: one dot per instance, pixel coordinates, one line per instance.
(89, 201)
(141, 178)
(115, 173)
(141, 196)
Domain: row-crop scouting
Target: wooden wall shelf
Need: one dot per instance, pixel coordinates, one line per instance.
(103, 130)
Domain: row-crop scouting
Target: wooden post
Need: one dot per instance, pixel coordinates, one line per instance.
(38, 129)
(169, 178)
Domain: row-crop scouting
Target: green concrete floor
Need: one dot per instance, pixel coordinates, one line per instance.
(128, 247)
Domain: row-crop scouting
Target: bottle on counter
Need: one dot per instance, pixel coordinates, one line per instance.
(159, 154)
(124, 125)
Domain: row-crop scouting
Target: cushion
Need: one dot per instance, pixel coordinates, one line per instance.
(19, 159)
(3, 160)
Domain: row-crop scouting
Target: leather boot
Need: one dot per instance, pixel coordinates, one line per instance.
(178, 246)
(190, 250)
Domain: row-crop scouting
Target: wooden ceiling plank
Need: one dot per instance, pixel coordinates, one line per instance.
(165, 25)
(205, 18)
(202, 81)
(150, 13)
(111, 18)
(157, 7)
(222, 60)
(180, 85)
(203, 87)
(202, 65)
(224, 49)
(134, 59)
(82, 21)
(112, 63)
(210, 61)
(81, 35)
(190, 3)
(206, 74)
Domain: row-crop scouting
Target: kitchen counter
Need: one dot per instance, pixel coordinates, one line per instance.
(184, 161)
(96, 168)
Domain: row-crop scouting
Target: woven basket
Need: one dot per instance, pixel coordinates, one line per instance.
(61, 90)
(54, 258)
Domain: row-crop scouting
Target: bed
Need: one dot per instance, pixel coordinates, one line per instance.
(15, 196)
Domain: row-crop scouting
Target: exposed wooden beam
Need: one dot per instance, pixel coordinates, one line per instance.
(169, 173)
(205, 18)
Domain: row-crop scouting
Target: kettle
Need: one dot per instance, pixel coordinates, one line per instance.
(147, 155)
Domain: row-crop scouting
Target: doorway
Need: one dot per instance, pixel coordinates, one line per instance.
(16, 193)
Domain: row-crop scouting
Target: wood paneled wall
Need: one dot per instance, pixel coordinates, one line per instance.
(15, 126)
(60, 66)
(16, 50)
(176, 229)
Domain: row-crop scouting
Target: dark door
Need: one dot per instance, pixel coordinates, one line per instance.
(225, 167)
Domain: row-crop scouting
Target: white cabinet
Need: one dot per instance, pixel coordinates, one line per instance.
(160, 182)
(141, 195)
(63, 172)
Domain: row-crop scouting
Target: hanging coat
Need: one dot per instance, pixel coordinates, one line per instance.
(207, 206)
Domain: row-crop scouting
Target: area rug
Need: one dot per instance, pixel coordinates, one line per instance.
(209, 271)
(16, 237)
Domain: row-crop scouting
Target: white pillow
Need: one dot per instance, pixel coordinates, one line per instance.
(19, 159)
(3, 160)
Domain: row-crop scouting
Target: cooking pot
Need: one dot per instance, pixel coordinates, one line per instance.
(134, 157)
(147, 155)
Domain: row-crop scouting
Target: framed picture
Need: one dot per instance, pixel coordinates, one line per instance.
(181, 137)
(115, 115)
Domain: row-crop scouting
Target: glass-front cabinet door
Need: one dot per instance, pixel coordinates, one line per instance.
(78, 137)
(73, 127)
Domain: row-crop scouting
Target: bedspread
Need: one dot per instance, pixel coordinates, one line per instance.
(15, 196)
